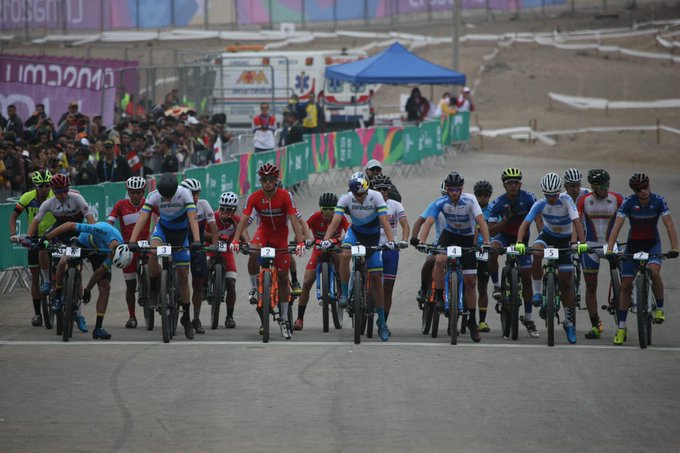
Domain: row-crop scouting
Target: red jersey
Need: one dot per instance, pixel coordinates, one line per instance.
(128, 216)
(318, 226)
(227, 228)
(273, 212)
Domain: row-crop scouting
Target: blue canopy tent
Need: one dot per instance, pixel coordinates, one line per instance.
(395, 65)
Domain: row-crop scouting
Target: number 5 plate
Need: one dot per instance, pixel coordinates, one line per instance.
(164, 250)
(358, 250)
(267, 252)
(551, 253)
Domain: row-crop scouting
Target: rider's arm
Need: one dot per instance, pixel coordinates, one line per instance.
(241, 231)
(483, 228)
(193, 224)
(672, 233)
(13, 223)
(90, 218)
(425, 230)
(405, 229)
(297, 229)
(416, 226)
(141, 223)
(61, 229)
(212, 232)
(539, 223)
(577, 232)
(337, 218)
(614, 234)
(387, 227)
(306, 232)
(522, 231)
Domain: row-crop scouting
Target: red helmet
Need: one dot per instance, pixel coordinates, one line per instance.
(60, 181)
(268, 170)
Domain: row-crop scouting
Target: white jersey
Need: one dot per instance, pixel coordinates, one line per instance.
(558, 218)
(73, 209)
(364, 216)
(204, 213)
(460, 217)
(395, 212)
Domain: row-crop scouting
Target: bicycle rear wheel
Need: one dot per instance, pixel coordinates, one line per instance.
(217, 282)
(615, 292)
(550, 309)
(325, 296)
(71, 287)
(515, 302)
(266, 298)
(164, 296)
(336, 313)
(148, 306)
(453, 306)
(644, 317)
(358, 307)
(48, 315)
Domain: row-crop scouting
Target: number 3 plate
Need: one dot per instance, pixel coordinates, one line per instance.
(164, 250)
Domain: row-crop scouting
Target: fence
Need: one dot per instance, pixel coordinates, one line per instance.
(318, 155)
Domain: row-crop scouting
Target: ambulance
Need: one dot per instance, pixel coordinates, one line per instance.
(243, 80)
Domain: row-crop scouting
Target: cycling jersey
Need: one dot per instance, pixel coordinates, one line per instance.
(643, 219)
(519, 207)
(395, 212)
(127, 216)
(99, 236)
(173, 212)
(227, 228)
(557, 218)
(204, 216)
(273, 213)
(364, 215)
(581, 192)
(73, 209)
(439, 222)
(460, 216)
(255, 216)
(598, 215)
(29, 202)
(318, 226)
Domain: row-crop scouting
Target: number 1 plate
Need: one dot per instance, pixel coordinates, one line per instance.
(358, 250)
(551, 253)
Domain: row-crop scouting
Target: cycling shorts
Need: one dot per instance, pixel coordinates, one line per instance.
(468, 262)
(373, 258)
(265, 239)
(96, 260)
(130, 272)
(390, 260)
(228, 262)
(482, 270)
(176, 238)
(33, 258)
(564, 261)
(629, 266)
(503, 240)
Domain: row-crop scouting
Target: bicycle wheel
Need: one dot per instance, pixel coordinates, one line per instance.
(166, 327)
(71, 287)
(505, 313)
(266, 298)
(217, 282)
(453, 306)
(48, 315)
(358, 308)
(615, 291)
(550, 293)
(336, 313)
(644, 317)
(148, 306)
(427, 317)
(464, 314)
(325, 295)
(174, 302)
(515, 301)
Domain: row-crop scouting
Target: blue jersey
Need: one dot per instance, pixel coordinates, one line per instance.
(643, 219)
(519, 208)
(558, 218)
(486, 211)
(98, 236)
(460, 217)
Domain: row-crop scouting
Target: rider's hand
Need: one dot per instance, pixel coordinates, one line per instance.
(300, 248)
(402, 244)
(309, 243)
(415, 242)
(43, 243)
(235, 246)
(673, 254)
(213, 247)
(87, 295)
(325, 245)
(391, 245)
(581, 248)
(14, 239)
(133, 246)
(521, 248)
(486, 248)
(196, 246)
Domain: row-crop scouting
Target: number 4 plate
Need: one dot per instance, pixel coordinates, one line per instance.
(453, 251)
(551, 253)
(164, 250)
(358, 250)
(267, 252)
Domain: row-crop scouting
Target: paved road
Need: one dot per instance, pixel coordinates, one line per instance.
(225, 390)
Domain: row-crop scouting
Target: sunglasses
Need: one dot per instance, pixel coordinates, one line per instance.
(383, 189)
(454, 189)
(551, 195)
(327, 209)
(43, 186)
(60, 191)
(226, 209)
(600, 186)
(640, 189)
(268, 179)
(513, 182)
(572, 185)
(137, 192)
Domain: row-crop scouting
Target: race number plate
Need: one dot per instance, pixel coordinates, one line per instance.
(267, 252)
(164, 250)
(358, 250)
(511, 250)
(59, 252)
(73, 252)
(551, 253)
(615, 249)
(222, 246)
(453, 251)
(642, 256)
(143, 244)
(482, 256)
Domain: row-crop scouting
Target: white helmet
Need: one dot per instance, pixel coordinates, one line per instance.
(123, 256)
(442, 189)
(572, 175)
(359, 175)
(551, 184)
(192, 184)
(229, 200)
(135, 183)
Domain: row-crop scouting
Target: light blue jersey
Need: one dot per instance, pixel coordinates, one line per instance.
(557, 218)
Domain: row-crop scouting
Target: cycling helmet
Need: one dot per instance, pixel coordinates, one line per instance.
(572, 176)
(229, 200)
(358, 186)
(454, 179)
(268, 170)
(135, 183)
(359, 175)
(598, 176)
(381, 182)
(511, 173)
(192, 184)
(60, 181)
(442, 188)
(551, 184)
(167, 185)
(122, 257)
(41, 177)
(638, 181)
(328, 200)
(483, 188)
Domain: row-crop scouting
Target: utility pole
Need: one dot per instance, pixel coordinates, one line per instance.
(456, 33)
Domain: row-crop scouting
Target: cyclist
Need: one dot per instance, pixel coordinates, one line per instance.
(105, 247)
(483, 191)
(395, 215)
(598, 211)
(177, 217)
(368, 212)
(642, 209)
(560, 216)
(65, 206)
(463, 214)
(205, 216)
(573, 181)
(274, 207)
(318, 224)
(507, 213)
(227, 220)
(127, 213)
(30, 202)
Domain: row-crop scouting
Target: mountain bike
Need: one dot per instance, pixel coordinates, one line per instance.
(614, 290)
(57, 252)
(216, 288)
(328, 288)
(144, 285)
(511, 293)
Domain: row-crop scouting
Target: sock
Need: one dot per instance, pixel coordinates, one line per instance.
(293, 277)
(594, 320)
(197, 312)
(659, 303)
(482, 314)
(528, 315)
(528, 308)
(45, 274)
(381, 316)
(387, 315)
(100, 321)
(494, 278)
(36, 306)
(284, 311)
(537, 285)
(230, 312)
(253, 281)
(301, 311)
(185, 312)
(345, 289)
(472, 320)
(131, 309)
(623, 314)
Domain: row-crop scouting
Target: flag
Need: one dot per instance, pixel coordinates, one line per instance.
(217, 150)
(134, 162)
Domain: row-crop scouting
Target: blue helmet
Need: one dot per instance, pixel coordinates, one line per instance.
(358, 186)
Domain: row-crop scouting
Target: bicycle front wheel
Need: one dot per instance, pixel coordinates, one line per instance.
(325, 296)
(550, 309)
(358, 306)
(48, 315)
(266, 297)
(453, 306)
(615, 292)
(148, 306)
(217, 282)
(336, 313)
(166, 322)
(644, 316)
(515, 301)
(71, 288)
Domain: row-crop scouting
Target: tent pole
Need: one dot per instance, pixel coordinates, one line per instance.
(456, 33)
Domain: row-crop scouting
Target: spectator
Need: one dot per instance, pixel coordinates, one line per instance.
(264, 126)
(39, 113)
(29, 168)
(111, 168)
(285, 128)
(464, 101)
(310, 121)
(295, 130)
(86, 174)
(445, 107)
(417, 106)
(5, 176)
(373, 169)
(320, 112)
(14, 123)
(170, 163)
(72, 114)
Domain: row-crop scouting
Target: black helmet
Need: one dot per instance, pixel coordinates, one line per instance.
(483, 188)
(328, 200)
(454, 179)
(381, 182)
(638, 181)
(167, 185)
(598, 176)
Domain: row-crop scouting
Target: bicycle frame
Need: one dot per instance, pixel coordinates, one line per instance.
(327, 288)
(511, 293)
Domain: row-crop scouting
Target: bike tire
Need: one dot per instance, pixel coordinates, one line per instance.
(550, 294)
(434, 328)
(615, 286)
(217, 295)
(166, 327)
(325, 296)
(59, 322)
(175, 303)
(266, 304)
(336, 313)
(71, 287)
(148, 307)
(427, 318)
(643, 314)
(48, 315)
(515, 302)
(453, 307)
(506, 317)
(359, 315)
